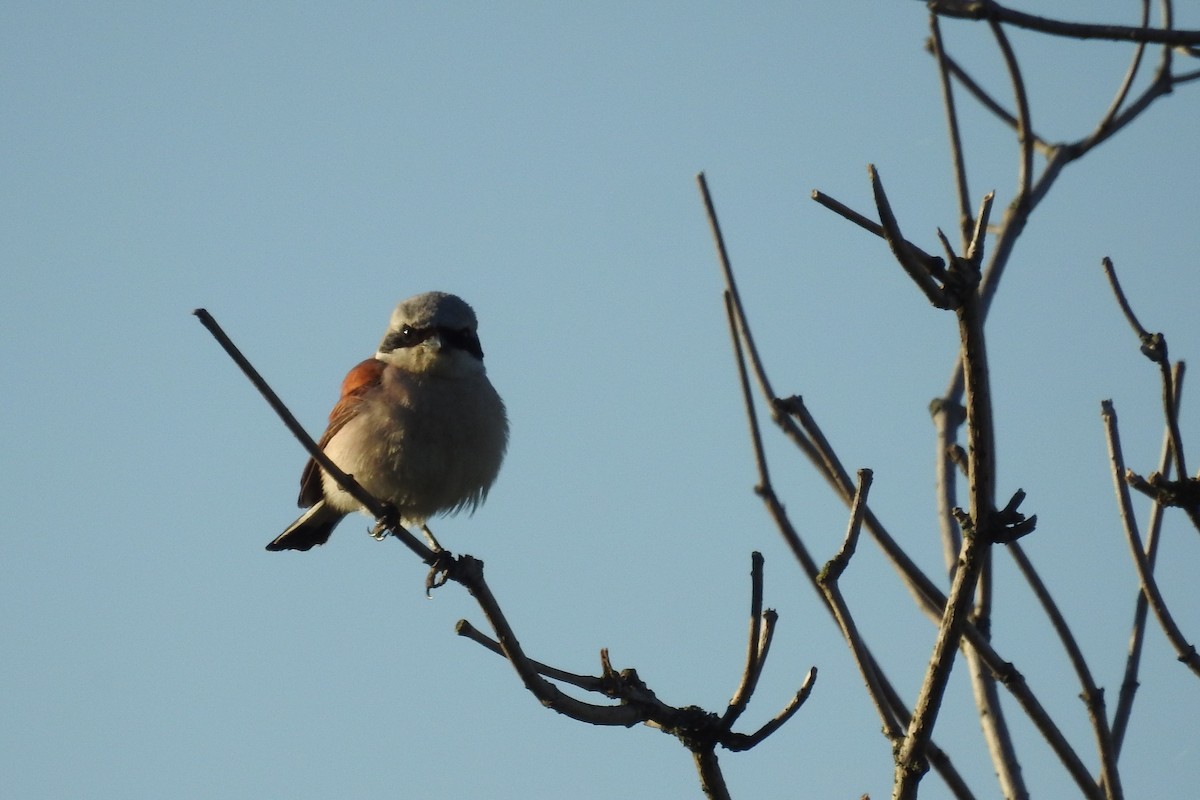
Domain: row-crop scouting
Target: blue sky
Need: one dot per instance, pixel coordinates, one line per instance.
(297, 169)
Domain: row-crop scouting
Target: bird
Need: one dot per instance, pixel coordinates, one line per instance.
(418, 425)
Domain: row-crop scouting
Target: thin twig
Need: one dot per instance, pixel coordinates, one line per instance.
(1126, 83)
(1092, 696)
(1129, 684)
(957, 160)
(932, 602)
(1110, 272)
(1185, 651)
(904, 254)
(994, 725)
(976, 244)
(588, 683)
(935, 265)
(837, 565)
(760, 459)
(947, 419)
(743, 741)
(827, 582)
(1154, 347)
(1024, 125)
(986, 100)
(755, 651)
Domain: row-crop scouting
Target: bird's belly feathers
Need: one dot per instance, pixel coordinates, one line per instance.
(438, 454)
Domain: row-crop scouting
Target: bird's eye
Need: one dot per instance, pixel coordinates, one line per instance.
(407, 331)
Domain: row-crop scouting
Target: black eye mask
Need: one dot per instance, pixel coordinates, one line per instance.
(409, 336)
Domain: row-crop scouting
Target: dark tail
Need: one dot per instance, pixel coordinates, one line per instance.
(313, 528)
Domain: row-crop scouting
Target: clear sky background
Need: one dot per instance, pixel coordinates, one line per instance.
(298, 168)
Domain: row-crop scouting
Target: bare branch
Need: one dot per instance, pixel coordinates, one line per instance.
(755, 649)
(837, 565)
(1154, 347)
(994, 12)
(1143, 335)
(975, 245)
(1092, 696)
(956, 148)
(760, 459)
(588, 683)
(1129, 684)
(947, 418)
(935, 265)
(916, 270)
(1185, 651)
(979, 531)
(987, 101)
(1024, 126)
(712, 782)
(849, 213)
(911, 762)
(827, 582)
(930, 599)
(994, 725)
(738, 742)
(1123, 91)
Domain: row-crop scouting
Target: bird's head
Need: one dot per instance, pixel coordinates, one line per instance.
(433, 333)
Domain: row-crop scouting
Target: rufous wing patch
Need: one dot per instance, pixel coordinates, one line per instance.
(358, 382)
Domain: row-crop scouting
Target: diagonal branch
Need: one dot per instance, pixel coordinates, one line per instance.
(987, 101)
(377, 508)
(1092, 695)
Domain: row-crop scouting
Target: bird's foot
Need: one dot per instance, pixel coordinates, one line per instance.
(434, 544)
(385, 523)
(439, 570)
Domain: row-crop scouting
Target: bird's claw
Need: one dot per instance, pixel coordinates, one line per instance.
(439, 571)
(385, 523)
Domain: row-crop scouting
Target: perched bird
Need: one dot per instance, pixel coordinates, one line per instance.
(419, 425)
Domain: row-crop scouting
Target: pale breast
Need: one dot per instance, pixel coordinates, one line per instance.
(426, 444)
